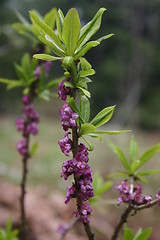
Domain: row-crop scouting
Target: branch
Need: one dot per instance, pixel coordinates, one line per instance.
(69, 227)
(146, 205)
(123, 220)
(23, 232)
(126, 213)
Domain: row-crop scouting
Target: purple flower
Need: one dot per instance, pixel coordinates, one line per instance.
(71, 193)
(83, 212)
(86, 190)
(27, 124)
(82, 154)
(135, 197)
(20, 123)
(62, 229)
(67, 168)
(63, 91)
(65, 144)
(32, 128)
(22, 146)
(123, 187)
(158, 197)
(37, 72)
(68, 117)
(120, 200)
(47, 66)
(147, 199)
(26, 99)
(31, 113)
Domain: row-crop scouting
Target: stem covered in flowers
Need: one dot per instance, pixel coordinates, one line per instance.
(27, 124)
(81, 188)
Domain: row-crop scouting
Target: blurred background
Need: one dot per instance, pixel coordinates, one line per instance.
(127, 65)
(127, 74)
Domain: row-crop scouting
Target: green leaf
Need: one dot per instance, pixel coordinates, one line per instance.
(68, 63)
(86, 128)
(95, 136)
(67, 74)
(71, 31)
(120, 154)
(68, 84)
(15, 84)
(59, 22)
(46, 57)
(144, 235)
(85, 92)
(103, 116)
(113, 132)
(26, 65)
(85, 65)
(128, 234)
(34, 148)
(21, 18)
(90, 28)
(146, 156)
(134, 165)
(90, 146)
(142, 179)
(86, 73)
(54, 82)
(20, 73)
(104, 188)
(45, 95)
(82, 51)
(85, 108)
(72, 104)
(48, 41)
(50, 18)
(7, 81)
(84, 80)
(133, 150)
(105, 37)
(49, 33)
(148, 172)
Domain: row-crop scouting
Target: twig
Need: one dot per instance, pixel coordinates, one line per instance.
(23, 231)
(122, 221)
(69, 227)
(146, 205)
(126, 213)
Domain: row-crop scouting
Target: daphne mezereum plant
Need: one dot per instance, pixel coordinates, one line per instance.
(32, 75)
(130, 193)
(70, 43)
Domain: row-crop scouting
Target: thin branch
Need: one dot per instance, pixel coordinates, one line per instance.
(146, 205)
(126, 213)
(123, 220)
(23, 231)
(69, 227)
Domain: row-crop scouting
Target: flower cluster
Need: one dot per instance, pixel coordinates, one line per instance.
(158, 197)
(27, 124)
(68, 117)
(63, 90)
(38, 70)
(78, 167)
(134, 197)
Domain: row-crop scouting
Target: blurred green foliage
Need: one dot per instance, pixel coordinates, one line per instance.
(127, 65)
